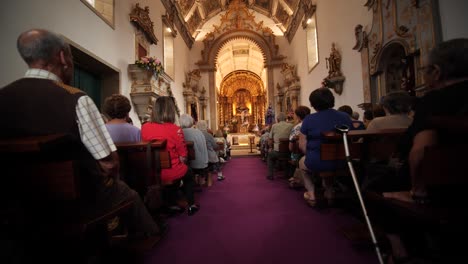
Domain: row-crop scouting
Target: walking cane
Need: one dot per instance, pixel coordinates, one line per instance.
(343, 129)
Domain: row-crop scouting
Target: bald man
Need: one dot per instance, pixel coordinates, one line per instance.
(43, 103)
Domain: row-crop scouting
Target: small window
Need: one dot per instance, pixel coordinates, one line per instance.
(103, 8)
(169, 34)
(312, 43)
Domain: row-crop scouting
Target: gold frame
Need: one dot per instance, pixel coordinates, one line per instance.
(312, 27)
(110, 23)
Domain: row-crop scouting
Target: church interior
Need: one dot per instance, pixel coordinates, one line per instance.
(239, 64)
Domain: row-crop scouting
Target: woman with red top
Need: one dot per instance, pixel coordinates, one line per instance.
(162, 127)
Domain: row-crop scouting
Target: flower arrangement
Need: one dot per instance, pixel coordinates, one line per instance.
(150, 64)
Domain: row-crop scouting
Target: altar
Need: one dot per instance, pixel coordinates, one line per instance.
(240, 139)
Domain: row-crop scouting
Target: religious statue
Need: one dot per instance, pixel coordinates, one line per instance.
(243, 114)
(270, 116)
(334, 63)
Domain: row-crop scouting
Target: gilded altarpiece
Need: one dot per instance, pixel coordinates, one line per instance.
(402, 34)
(241, 102)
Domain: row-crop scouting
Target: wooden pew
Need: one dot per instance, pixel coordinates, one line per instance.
(364, 146)
(140, 167)
(43, 202)
(444, 170)
(376, 145)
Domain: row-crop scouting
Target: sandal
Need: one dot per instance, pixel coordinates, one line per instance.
(311, 202)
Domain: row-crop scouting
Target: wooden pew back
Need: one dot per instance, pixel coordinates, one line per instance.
(44, 167)
(141, 164)
(43, 201)
(284, 145)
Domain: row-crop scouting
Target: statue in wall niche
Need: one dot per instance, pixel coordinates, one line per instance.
(334, 62)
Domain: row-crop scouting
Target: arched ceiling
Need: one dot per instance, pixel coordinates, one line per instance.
(276, 14)
(240, 54)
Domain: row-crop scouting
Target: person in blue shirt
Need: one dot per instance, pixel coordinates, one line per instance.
(310, 138)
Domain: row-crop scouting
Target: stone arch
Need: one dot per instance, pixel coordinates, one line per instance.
(266, 43)
(267, 46)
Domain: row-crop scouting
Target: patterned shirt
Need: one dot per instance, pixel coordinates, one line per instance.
(93, 132)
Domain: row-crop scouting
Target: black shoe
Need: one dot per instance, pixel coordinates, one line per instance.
(172, 210)
(193, 209)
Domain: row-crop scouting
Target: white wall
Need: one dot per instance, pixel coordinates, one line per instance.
(336, 20)
(78, 23)
(454, 19)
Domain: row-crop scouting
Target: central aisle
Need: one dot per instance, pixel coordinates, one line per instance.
(248, 219)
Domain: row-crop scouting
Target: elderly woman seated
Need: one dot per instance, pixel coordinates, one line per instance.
(200, 163)
(212, 148)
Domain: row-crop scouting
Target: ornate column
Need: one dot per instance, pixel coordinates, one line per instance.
(212, 100)
(270, 86)
(203, 101)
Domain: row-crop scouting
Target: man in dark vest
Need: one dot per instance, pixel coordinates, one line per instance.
(42, 103)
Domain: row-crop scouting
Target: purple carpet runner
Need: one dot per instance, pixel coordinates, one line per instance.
(250, 220)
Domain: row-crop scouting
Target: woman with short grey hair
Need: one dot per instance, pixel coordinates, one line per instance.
(397, 106)
(199, 143)
(212, 147)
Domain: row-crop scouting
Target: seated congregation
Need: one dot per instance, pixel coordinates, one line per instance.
(83, 186)
(407, 161)
(88, 185)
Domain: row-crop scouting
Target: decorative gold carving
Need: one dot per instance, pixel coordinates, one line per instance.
(185, 6)
(242, 98)
(140, 17)
(194, 21)
(238, 17)
(211, 6)
(290, 74)
(242, 79)
(191, 80)
(400, 30)
(361, 38)
(238, 21)
(282, 15)
(411, 25)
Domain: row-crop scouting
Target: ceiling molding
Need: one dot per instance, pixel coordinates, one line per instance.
(178, 19)
(192, 15)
